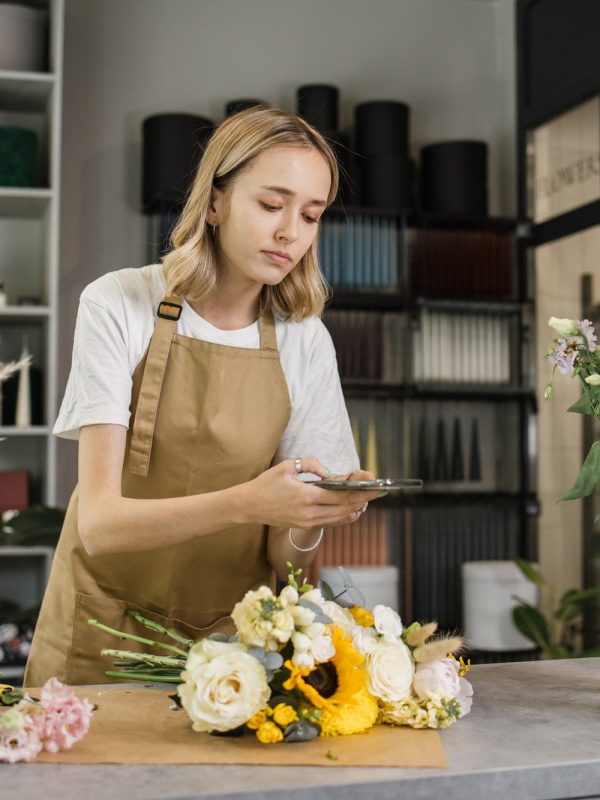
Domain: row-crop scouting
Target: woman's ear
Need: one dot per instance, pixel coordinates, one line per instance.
(216, 206)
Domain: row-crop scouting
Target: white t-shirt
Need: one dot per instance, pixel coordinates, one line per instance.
(115, 322)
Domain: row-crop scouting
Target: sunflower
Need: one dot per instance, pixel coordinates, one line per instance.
(362, 616)
(356, 716)
(334, 682)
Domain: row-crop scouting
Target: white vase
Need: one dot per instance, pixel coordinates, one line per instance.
(23, 410)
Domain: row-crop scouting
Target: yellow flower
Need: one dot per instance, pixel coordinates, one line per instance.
(362, 616)
(284, 715)
(355, 716)
(333, 682)
(260, 717)
(269, 733)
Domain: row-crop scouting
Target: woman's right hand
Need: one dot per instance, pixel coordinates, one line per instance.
(278, 498)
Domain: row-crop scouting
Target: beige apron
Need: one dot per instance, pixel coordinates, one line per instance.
(220, 418)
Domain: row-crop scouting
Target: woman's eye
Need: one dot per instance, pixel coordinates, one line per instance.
(269, 207)
(312, 220)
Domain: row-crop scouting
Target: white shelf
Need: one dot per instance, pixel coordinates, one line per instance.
(24, 202)
(24, 312)
(25, 91)
(11, 431)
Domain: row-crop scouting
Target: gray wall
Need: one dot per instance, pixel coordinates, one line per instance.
(452, 61)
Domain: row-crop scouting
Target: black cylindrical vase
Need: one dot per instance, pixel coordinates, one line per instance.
(454, 178)
(348, 190)
(385, 181)
(172, 148)
(318, 104)
(234, 106)
(382, 128)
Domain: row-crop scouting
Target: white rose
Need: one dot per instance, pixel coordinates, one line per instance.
(340, 616)
(437, 679)
(387, 622)
(364, 640)
(564, 327)
(222, 688)
(465, 696)
(390, 670)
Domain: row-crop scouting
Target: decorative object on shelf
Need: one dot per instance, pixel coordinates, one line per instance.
(7, 371)
(56, 721)
(382, 144)
(18, 156)
(23, 412)
(440, 460)
(3, 297)
(474, 456)
(23, 32)
(305, 663)
(557, 633)
(457, 471)
(30, 526)
(235, 106)
(14, 490)
(575, 352)
(454, 178)
(318, 104)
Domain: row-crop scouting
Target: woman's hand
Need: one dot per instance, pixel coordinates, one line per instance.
(278, 498)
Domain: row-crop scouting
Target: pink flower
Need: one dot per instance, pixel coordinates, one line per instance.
(19, 734)
(437, 679)
(66, 718)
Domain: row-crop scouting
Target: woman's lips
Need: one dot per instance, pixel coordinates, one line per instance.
(277, 258)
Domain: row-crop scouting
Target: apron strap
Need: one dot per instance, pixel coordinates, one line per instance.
(168, 312)
(266, 332)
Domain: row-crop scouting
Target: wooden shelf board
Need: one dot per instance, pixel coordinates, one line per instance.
(16, 202)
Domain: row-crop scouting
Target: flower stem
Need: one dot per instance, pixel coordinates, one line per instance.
(156, 626)
(147, 658)
(133, 638)
(139, 676)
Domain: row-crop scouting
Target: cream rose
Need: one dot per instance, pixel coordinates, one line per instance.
(564, 327)
(387, 622)
(223, 686)
(390, 670)
(437, 679)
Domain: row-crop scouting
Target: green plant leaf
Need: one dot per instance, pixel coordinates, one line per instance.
(530, 572)
(558, 651)
(572, 603)
(326, 590)
(588, 476)
(582, 406)
(593, 652)
(532, 625)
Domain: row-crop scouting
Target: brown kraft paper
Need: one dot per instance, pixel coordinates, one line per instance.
(139, 726)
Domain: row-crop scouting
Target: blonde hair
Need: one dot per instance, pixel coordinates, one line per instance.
(191, 266)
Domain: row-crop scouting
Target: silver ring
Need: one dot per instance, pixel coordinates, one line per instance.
(298, 464)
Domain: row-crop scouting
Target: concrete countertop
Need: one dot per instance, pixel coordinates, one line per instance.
(533, 734)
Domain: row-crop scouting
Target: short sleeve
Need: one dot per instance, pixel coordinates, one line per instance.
(319, 424)
(99, 385)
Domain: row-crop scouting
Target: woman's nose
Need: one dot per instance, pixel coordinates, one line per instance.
(288, 230)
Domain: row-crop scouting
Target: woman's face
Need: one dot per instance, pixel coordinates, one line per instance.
(268, 218)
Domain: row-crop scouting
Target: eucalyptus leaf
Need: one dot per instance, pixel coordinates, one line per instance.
(326, 590)
(301, 731)
(217, 636)
(530, 572)
(354, 593)
(532, 625)
(234, 638)
(321, 617)
(310, 605)
(588, 476)
(257, 652)
(272, 661)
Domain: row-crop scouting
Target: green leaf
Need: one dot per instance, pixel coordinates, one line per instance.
(530, 572)
(354, 593)
(557, 651)
(588, 476)
(326, 590)
(572, 602)
(582, 406)
(532, 625)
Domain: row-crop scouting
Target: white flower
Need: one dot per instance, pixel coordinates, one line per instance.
(340, 616)
(301, 642)
(437, 679)
(465, 696)
(302, 616)
(387, 622)
(364, 640)
(288, 596)
(223, 686)
(262, 620)
(390, 670)
(323, 648)
(593, 380)
(564, 327)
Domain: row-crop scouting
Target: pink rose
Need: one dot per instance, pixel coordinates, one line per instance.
(66, 718)
(437, 679)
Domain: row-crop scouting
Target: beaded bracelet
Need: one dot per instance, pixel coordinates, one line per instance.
(305, 549)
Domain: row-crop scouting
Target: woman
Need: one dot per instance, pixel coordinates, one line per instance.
(200, 388)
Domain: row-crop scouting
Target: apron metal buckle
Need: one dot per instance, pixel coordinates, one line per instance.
(165, 313)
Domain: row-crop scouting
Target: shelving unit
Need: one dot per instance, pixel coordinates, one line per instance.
(401, 394)
(29, 267)
(29, 241)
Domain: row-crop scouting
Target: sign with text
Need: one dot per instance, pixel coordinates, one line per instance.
(564, 162)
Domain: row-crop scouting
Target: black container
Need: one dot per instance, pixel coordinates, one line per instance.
(9, 392)
(382, 128)
(385, 181)
(172, 148)
(234, 106)
(318, 104)
(348, 191)
(454, 178)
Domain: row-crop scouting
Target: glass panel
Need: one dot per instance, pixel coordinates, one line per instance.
(564, 162)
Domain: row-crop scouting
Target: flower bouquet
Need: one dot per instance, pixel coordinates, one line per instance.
(574, 352)
(305, 663)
